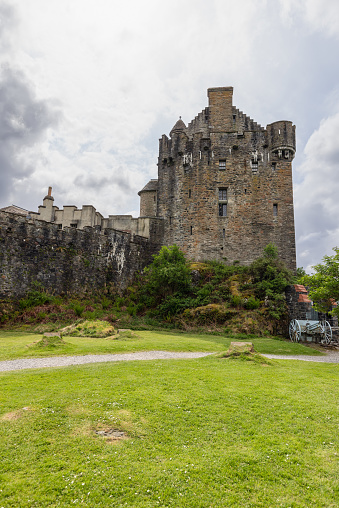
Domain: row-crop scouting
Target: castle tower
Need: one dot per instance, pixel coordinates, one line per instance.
(225, 184)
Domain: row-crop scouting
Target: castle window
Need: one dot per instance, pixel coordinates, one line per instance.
(59, 226)
(74, 225)
(191, 230)
(222, 165)
(223, 233)
(189, 193)
(223, 194)
(222, 209)
(275, 210)
(274, 166)
(223, 202)
(254, 165)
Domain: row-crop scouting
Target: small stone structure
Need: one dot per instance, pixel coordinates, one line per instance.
(298, 303)
(300, 308)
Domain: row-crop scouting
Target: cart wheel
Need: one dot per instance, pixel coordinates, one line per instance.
(295, 331)
(326, 332)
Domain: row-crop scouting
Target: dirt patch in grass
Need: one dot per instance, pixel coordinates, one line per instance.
(111, 434)
(15, 415)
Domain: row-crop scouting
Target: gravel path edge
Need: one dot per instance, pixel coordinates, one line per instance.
(66, 361)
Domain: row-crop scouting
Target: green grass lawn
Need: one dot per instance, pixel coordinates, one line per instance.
(17, 344)
(198, 433)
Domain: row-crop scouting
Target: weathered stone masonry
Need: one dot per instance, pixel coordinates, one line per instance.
(69, 260)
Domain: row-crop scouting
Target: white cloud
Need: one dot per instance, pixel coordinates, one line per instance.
(316, 197)
(319, 15)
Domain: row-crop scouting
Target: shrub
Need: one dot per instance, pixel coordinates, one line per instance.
(212, 313)
(168, 274)
(34, 298)
(251, 303)
(270, 277)
(78, 309)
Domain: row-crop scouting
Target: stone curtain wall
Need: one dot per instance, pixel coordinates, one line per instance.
(69, 260)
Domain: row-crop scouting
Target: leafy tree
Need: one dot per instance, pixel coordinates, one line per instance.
(300, 273)
(324, 283)
(167, 281)
(270, 278)
(169, 272)
(271, 251)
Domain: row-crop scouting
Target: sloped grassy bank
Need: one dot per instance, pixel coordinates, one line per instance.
(173, 293)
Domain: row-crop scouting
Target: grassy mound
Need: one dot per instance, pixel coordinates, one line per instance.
(244, 351)
(95, 329)
(49, 340)
(127, 334)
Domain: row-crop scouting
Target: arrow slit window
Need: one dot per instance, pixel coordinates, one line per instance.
(223, 202)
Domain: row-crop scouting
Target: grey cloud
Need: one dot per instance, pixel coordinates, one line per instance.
(316, 196)
(94, 181)
(91, 181)
(23, 121)
(8, 20)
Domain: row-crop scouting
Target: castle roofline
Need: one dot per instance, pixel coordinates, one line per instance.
(179, 126)
(14, 209)
(220, 89)
(151, 186)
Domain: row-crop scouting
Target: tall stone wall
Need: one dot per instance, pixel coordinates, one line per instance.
(69, 260)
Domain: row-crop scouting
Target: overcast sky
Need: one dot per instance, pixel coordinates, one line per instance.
(87, 87)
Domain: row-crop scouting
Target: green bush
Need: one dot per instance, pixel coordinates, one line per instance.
(105, 303)
(270, 277)
(236, 301)
(34, 298)
(168, 274)
(78, 309)
(251, 303)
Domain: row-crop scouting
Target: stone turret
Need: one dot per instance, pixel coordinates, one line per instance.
(148, 199)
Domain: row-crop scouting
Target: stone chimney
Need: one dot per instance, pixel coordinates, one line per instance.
(220, 109)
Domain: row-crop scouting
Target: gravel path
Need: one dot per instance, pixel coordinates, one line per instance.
(65, 361)
(331, 357)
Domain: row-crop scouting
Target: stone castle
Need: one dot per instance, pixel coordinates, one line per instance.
(224, 188)
(224, 191)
